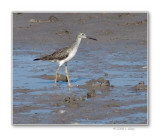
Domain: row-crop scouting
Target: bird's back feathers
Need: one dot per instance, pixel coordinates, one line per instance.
(58, 55)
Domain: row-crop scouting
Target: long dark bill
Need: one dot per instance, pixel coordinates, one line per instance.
(91, 38)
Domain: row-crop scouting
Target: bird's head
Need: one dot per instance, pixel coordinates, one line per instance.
(82, 35)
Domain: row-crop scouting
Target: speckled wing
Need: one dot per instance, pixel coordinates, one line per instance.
(58, 55)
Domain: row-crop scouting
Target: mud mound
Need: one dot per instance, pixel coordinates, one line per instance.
(99, 84)
(52, 77)
(53, 19)
(91, 94)
(140, 86)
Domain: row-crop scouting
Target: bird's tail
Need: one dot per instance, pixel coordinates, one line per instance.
(36, 59)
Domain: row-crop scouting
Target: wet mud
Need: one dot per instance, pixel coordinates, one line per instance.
(91, 94)
(140, 86)
(99, 84)
(53, 77)
(108, 76)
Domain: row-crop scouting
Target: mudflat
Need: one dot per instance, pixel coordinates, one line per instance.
(109, 76)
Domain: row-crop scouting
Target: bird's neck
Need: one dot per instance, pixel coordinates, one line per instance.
(78, 41)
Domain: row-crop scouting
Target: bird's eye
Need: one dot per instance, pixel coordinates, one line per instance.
(82, 34)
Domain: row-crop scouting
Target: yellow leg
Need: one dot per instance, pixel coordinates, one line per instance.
(69, 85)
(56, 77)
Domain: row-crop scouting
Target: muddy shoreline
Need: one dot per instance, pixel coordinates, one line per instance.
(109, 77)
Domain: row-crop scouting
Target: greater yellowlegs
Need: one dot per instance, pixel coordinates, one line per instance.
(62, 56)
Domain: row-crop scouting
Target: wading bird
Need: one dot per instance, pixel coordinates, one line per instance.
(62, 56)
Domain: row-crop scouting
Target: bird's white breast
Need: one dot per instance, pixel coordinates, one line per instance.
(71, 55)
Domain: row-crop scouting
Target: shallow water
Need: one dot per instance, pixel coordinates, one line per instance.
(124, 69)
